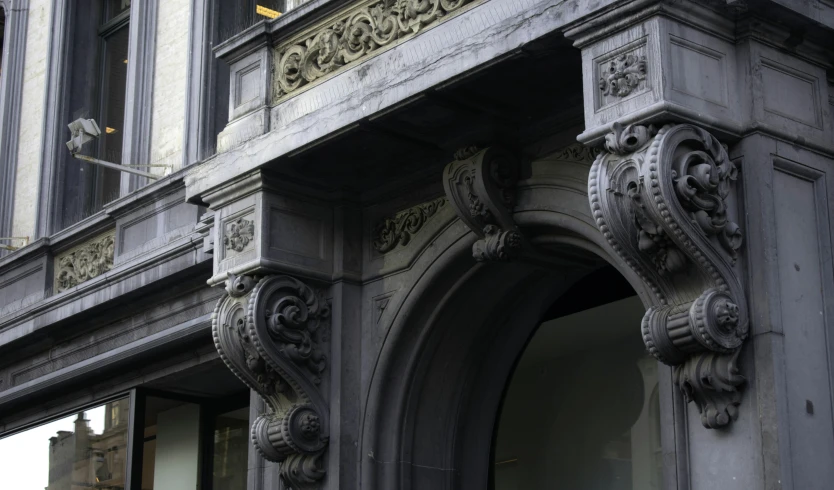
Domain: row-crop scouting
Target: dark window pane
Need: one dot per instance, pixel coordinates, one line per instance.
(113, 113)
(97, 78)
(83, 451)
(231, 446)
(116, 7)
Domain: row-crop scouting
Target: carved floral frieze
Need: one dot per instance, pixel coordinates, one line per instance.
(84, 262)
(351, 36)
(576, 152)
(269, 331)
(659, 197)
(622, 75)
(238, 234)
(399, 229)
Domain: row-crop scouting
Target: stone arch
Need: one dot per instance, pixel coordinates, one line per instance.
(453, 339)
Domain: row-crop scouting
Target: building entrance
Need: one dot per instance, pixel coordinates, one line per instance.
(579, 417)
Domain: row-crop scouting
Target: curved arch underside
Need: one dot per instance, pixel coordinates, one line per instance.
(451, 345)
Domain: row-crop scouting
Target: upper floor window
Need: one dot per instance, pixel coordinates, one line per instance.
(2, 35)
(96, 88)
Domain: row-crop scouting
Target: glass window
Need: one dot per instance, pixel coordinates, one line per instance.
(116, 7)
(2, 36)
(97, 78)
(231, 448)
(586, 418)
(79, 452)
(174, 453)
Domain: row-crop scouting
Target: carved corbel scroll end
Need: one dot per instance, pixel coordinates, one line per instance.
(712, 381)
(268, 331)
(480, 184)
(659, 198)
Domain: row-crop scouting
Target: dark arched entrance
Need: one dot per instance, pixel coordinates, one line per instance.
(452, 342)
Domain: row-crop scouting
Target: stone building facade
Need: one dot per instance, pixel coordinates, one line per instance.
(421, 244)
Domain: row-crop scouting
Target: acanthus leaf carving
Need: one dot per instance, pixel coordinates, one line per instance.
(659, 197)
(712, 382)
(84, 262)
(350, 36)
(399, 229)
(268, 331)
(481, 188)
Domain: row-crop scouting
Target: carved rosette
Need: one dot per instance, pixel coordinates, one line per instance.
(238, 234)
(398, 230)
(268, 331)
(349, 37)
(623, 75)
(659, 199)
(480, 185)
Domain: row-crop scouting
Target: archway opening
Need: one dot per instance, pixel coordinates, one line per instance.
(580, 410)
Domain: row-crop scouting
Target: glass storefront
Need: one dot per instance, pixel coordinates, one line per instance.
(581, 410)
(79, 452)
(200, 444)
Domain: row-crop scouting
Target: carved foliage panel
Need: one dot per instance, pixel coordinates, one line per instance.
(270, 332)
(84, 262)
(352, 35)
(660, 199)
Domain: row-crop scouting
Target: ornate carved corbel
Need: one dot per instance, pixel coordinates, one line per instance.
(480, 184)
(659, 198)
(268, 332)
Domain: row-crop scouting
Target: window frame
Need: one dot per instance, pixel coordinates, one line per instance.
(138, 106)
(132, 397)
(16, 14)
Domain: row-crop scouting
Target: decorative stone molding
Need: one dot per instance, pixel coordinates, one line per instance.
(577, 152)
(269, 332)
(399, 229)
(84, 262)
(238, 234)
(480, 184)
(351, 36)
(659, 198)
(624, 74)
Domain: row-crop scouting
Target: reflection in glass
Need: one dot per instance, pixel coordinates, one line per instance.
(171, 453)
(231, 444)
(83, 451)
(581, 410)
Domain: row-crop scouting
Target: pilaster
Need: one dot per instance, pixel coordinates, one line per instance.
(696, 110)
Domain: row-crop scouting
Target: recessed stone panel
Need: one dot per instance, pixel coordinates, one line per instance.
(296, 234)
(698, 71)
(790, 93)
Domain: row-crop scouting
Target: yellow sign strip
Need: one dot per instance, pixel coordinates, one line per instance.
(272, 14)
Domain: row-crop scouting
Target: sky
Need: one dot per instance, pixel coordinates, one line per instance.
(24, 457)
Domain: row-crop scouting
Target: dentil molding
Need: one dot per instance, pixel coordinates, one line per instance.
(659, 198)
(269, 332)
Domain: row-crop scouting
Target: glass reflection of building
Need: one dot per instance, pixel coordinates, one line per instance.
(82, 459)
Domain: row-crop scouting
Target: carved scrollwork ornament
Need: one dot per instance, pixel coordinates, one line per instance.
(480, 184)
(269, 332)
(659, 197)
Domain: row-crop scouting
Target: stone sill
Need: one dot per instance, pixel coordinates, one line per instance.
(172, 251)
